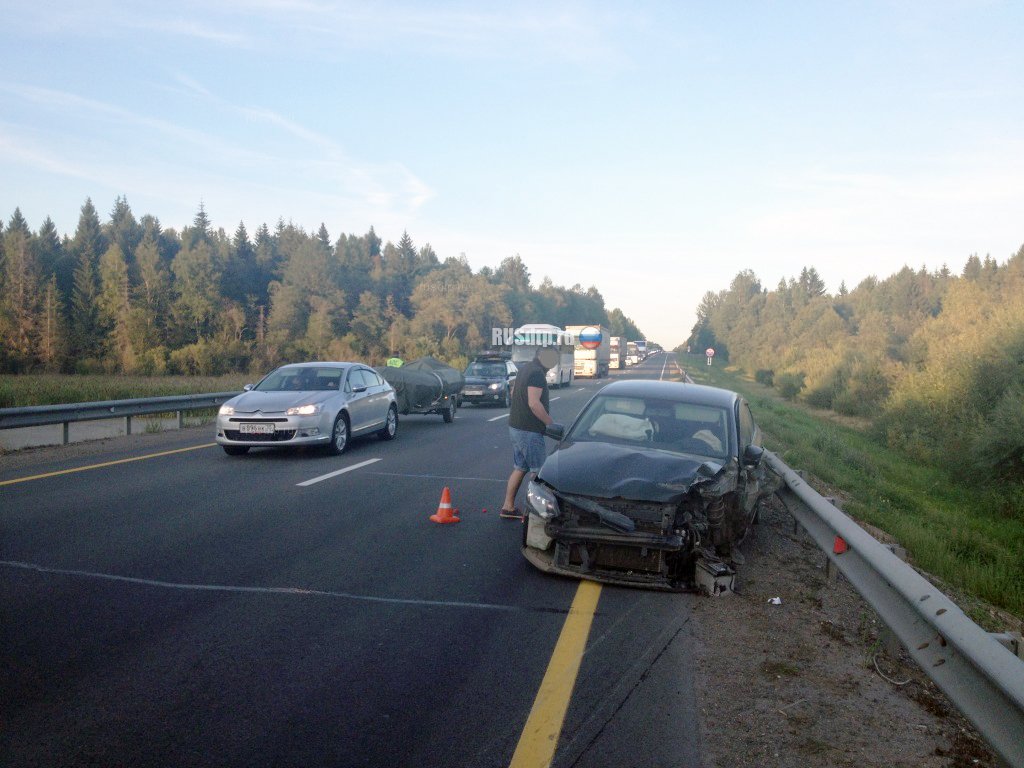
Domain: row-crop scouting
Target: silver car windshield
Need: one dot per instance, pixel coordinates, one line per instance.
(302, 380)
(662, 424)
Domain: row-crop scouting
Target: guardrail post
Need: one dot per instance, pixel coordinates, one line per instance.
(66, 432)
(181, 419)
(127, 425)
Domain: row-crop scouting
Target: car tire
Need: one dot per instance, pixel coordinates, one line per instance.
(340, 436)
(235, 450)
(526, 528)
(449, 413)
(508, 398)
(390, 425)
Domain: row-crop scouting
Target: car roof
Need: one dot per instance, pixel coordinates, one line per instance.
(318, 364)
(698, 394)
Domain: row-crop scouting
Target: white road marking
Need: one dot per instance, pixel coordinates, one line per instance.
(329, 475)
(505, 415)
(262, 590)
(663, 367)
(501, 480)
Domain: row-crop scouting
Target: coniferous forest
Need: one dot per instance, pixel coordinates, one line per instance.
(127, 296)
(935, 360)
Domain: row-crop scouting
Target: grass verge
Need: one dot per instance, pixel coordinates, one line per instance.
(971, 538)
(53, 389)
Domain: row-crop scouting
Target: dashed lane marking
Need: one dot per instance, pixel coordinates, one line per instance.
(337, 472)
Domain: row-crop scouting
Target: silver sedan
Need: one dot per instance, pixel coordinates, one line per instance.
(323, 404)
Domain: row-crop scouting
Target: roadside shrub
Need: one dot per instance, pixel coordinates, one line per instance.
(998, 447)
(764, 376)
(790, 385)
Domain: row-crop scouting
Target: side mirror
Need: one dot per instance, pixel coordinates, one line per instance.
(752, 455)
(359, 389)
(555, 431)
(247, 387)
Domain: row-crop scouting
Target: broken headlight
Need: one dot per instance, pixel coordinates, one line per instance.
(541, 501)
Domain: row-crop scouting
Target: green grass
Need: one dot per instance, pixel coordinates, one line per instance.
(970, 537)
(51, 389)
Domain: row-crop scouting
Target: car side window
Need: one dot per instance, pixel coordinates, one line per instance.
(360, 379)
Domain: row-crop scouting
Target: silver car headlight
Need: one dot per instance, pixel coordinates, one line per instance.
(305, 410)
(227, 410)
(494, 386)
(541, 500)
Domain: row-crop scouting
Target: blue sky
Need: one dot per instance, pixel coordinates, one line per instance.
(651, 149)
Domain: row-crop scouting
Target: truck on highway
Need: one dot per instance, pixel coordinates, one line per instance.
(529, 337)
(592, 350)
(641, 348)
(616, 354)
(632, 355)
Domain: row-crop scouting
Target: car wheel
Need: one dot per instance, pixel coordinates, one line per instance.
(235, 450)
(508, 398)
(339, 436)
(526, 528)
(449, 412)
(390, 426)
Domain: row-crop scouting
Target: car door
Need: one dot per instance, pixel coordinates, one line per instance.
(750, 477)
(359, 404)
(379, 400)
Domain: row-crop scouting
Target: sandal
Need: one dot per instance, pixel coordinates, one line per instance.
(511, 514)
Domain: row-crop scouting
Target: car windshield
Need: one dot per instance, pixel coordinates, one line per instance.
(301, 380)
(666, 425)
(487, 370)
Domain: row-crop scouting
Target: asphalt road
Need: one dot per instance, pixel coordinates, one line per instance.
(164, 604)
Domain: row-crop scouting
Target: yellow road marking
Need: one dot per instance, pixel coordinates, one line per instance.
(104, 464)
(537, 744)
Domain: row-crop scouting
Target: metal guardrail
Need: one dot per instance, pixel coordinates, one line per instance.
(43, 415)
(982, 678)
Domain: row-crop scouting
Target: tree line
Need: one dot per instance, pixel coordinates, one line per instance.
(129, 296)
(934, 359)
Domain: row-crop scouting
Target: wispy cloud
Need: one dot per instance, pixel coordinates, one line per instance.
(186, 28)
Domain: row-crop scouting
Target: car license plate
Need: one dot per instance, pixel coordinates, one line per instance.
(472, 392)
(256, 429)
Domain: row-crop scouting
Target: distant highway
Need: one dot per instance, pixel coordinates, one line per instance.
(293, 609)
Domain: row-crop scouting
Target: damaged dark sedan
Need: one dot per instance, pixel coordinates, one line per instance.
(653, 485)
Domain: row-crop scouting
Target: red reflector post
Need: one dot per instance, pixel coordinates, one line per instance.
(840, 545)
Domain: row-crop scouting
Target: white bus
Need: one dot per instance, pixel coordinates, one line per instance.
(533, 335)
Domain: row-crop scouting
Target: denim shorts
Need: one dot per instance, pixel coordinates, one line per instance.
(528, 450)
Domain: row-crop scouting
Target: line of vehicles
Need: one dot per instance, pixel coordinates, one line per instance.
(326, 404)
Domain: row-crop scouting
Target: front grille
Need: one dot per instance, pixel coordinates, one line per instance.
(648, 517)
(278, 436)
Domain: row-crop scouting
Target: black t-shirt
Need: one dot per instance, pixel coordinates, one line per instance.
(520, 416)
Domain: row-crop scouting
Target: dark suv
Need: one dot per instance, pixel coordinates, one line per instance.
(489, 380)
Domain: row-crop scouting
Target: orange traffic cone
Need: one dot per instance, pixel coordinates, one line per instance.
(444, 509)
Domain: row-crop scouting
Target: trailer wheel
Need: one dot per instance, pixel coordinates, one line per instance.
(449, 413)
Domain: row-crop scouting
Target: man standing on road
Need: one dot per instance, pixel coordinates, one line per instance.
(527, 417)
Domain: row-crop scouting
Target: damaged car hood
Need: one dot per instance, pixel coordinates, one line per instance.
(611, 471)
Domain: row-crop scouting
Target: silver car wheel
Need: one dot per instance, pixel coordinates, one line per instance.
(339, 435)
(390, 426)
